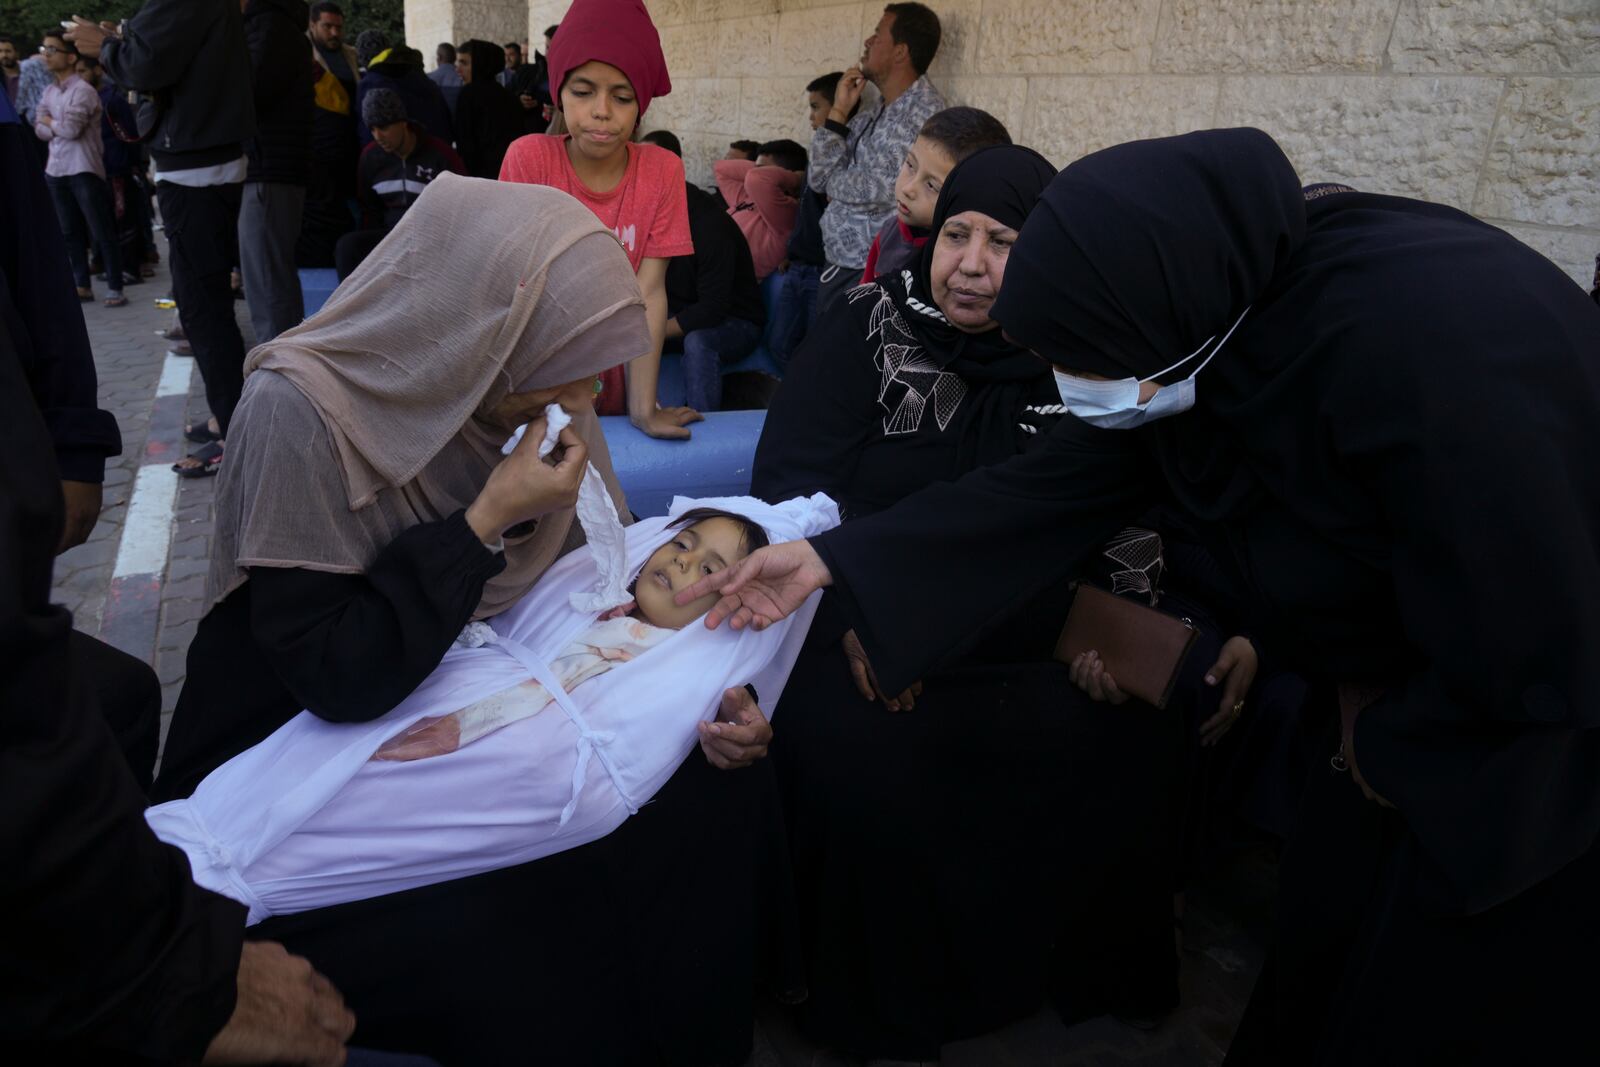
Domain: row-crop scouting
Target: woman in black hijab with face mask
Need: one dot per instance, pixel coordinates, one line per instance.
(954, 855)
(1394, 452)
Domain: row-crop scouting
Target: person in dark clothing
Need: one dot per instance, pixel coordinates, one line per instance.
(488, 118)
(1031, 879)
(274, 195)
(115, 955)
(47, 335)
(119, 135)
(395, 168)
(714, 309)
(399, 69)
(330, 186)
(198, 64)
(390, 585)
(1436, 899)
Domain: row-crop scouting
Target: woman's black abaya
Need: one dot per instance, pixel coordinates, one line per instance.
(1397, 448)
(1007, 839)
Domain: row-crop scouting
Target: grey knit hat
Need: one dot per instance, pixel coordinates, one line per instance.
(380, 107)
(368, 44)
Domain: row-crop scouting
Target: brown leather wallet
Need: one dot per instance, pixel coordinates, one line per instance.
(1141, 647)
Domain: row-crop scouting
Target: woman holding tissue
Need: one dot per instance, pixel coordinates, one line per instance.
(366, 517)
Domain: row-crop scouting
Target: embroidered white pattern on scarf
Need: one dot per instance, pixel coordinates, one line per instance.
(902, 363)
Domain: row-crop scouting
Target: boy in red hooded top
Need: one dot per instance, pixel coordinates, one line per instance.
(605, 67)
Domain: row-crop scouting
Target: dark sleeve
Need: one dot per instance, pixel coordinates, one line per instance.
(157, 45)
(124, 124)
(825, 412)
(349, 647)
(715, 262)
(371, 202)
(112, 953)
(469, 136)
(44, 322)
(363, 131)
(923, 580)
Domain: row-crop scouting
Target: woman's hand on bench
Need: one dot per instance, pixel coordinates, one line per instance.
(740, 734)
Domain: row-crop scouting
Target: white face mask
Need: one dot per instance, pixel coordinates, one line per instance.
(1114, 405)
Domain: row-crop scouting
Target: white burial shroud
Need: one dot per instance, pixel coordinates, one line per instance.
(306, 819)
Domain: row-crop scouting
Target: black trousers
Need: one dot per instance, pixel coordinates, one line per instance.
(129, 696)
(202, 224)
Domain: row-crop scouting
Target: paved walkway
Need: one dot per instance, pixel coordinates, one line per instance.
(139, 583)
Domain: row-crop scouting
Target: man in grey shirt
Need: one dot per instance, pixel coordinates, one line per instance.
(854, 160)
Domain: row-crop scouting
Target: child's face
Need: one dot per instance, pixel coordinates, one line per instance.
(922, 175)
(706, 547)
(601, 109)
(818, 107)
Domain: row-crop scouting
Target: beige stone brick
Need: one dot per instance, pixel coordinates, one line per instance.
(1571, 250)
(744, 46)
(688, 55)
(1497, 36)
(1544, 165)
(1069, 117)
(675, 111)
(770, 108)
(1067, 36)
(1273, 35)
(1421, 137)
(700, 151)
(807, 5)
(816, 41)
(490, 20)
(1004, 98)
(671, 12)
(960, 24)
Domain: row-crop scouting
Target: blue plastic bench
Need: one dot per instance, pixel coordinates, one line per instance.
(716, 462)
(317, 283)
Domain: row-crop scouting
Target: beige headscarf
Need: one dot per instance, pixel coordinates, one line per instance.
(366, 419)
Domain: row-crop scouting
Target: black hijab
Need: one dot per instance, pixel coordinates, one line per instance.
(1003, 182)
(488, 117)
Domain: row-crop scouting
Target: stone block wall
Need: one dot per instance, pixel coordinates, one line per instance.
(1492, 106)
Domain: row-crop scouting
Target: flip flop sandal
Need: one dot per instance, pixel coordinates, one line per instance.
(201, 434)
(210, 458)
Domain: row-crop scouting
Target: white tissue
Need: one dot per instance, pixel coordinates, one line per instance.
(598, 517)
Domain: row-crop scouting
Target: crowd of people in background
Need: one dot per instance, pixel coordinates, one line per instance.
(961, 341)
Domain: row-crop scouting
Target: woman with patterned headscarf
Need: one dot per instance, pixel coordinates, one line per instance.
(1383, 413)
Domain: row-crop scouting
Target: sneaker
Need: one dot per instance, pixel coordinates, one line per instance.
(115, 299)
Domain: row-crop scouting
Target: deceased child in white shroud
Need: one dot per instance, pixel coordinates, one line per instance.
(542, 729)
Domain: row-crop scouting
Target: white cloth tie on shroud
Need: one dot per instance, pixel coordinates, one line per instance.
(306, 819)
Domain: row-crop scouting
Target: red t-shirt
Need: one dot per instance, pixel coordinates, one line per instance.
(648, 210)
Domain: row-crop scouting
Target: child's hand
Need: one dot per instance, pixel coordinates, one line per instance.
(740, 734)
(1089, 674)
(1235, 670)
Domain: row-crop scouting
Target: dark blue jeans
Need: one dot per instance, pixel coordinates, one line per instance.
(87, 197)
(704, 353)
(792, 311)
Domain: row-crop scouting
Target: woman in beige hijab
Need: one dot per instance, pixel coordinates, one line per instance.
(359, 520)
(359, 526)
